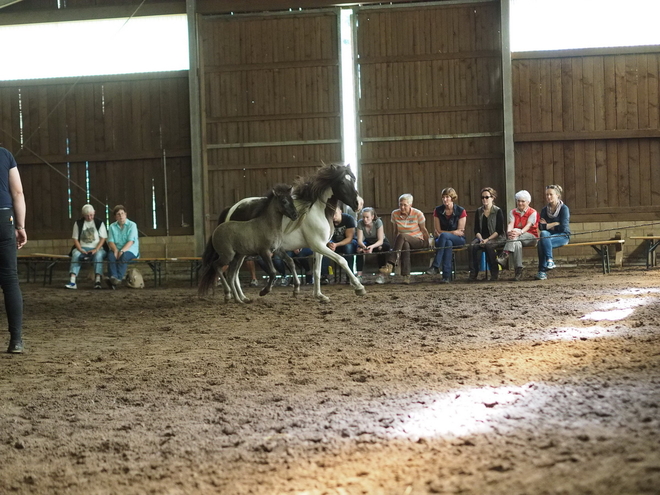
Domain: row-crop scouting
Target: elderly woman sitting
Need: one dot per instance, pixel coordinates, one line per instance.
(410, 233)
(522, 230)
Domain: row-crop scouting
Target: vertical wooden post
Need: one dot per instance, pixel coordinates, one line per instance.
(507, 110)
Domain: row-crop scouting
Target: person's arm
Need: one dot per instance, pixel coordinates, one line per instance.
(360, 240)
(436, 226)
(477, 227)
(381, 238)
(499, 226)
(349, 233)
(18, 199)
(460, 231)
(530, 223)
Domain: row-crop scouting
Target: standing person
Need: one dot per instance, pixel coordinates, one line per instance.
(409, 233)
(449, 229)
(12, 237)
(488, 234)
(89, 236)
(522, 230)
(124, 246)
(554, 229)
(371, 238)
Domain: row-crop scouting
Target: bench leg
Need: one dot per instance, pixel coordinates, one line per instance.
(156, 269)
(649, 254)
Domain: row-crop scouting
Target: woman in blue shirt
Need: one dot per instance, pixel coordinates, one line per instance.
(553, 229)
(124, 245)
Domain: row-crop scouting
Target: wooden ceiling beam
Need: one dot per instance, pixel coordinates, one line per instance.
(226, 6)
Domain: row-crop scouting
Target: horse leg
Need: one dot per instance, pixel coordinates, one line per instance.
(317, 277)
(292, 268)
(225, 285)
(236, 280)
(267, 256)
(233, 275)
(337, 258)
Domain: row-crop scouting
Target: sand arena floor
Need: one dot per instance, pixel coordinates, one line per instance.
(486, 388)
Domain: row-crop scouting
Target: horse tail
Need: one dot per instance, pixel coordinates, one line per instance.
(208, 275)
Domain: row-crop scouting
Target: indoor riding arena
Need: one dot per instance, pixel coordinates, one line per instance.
(410, 386)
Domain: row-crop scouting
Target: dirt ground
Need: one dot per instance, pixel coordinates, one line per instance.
(484, 388)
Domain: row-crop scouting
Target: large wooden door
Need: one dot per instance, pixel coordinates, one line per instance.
(271, 101)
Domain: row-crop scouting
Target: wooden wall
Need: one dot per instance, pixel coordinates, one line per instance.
(271, 102)
(119, 126)
(431, 103)
(590, 121)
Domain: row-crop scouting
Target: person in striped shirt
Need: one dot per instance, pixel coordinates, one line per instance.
(409, 233)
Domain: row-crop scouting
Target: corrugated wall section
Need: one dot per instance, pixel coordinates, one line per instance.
(271, 102)
(430, 103)
(590, 123)
(121, 128)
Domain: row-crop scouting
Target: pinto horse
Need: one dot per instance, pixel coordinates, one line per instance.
(232, 241)
(315, 199)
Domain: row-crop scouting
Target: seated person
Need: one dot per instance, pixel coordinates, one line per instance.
(342, 241)
(279, 265)
(554, 230)
(371, 238)
(89, 236)
(488, 234)
(522, 230)
(449, 228)
(409, 233)
(124, 246)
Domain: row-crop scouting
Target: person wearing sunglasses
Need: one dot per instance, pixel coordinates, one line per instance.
(488, 234)
(554, 230)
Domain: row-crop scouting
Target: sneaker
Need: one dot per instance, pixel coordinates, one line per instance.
(15, 347)
(284, 281)
(325, 280)
(433, 271)
(71, 285)
(97, 284)
(550, 265)
(541, 276)
(109, 282)
(380, 279)
(406, 279)
(473, 276)
(445, 281)
(115, 281)
(387, 269)
(253, 282)
(503, 260)
(519, 274)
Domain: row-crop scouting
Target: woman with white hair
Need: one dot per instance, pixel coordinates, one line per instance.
(89, 236)
(522, 230)
(554, 229)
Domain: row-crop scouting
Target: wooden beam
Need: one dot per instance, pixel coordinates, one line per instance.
(526, 137)
(91, 13)
(227, 6)
(7, 3)
(587, 52)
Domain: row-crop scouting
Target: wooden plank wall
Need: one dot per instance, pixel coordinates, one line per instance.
(271, 102)
(590, 121)
(430, 79)
(120, 127)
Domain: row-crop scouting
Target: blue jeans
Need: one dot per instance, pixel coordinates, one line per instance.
(547, 241)
(445, 242)
(99, 256)
(117, 267)
(9, 275)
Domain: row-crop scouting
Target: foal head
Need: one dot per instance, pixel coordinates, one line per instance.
(282, 195)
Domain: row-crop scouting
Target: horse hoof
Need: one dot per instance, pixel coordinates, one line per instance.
(264, 291)
(361, 292)
(323, 298)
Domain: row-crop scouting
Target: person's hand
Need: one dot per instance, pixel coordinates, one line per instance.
(21, 238)
(332, 246)
(459, 232)
(543, 221)
(116, 252)
(369, 249)
(361, 249)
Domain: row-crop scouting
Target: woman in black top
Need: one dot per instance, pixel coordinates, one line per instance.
(12, 237)
(488, 234)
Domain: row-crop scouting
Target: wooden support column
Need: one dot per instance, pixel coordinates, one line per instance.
(507, 110)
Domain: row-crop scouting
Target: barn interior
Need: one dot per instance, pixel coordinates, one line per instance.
(414, 389)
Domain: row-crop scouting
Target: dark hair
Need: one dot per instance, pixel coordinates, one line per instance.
(451, 192)
(369, 209)
(117, 209)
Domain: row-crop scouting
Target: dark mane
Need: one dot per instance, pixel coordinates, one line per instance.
(311, 188)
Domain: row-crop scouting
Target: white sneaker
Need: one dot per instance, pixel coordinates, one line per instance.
(71, 285)
(380, 279)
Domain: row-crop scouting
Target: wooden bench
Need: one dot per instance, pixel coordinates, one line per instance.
(653, 241)
(32, 262)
